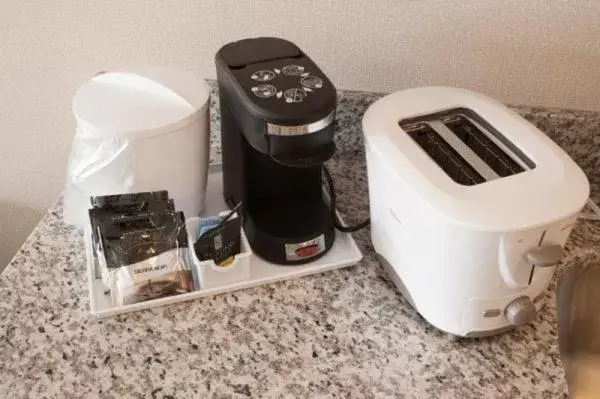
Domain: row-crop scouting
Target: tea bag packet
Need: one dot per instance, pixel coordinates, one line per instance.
(146, 256)
(219, 239)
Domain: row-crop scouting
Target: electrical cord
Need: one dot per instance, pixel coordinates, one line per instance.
(595, 211)
(332, 200)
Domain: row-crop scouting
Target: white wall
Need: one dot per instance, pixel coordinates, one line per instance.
(535, 52)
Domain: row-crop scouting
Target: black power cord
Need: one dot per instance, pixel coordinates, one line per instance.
(336, 222)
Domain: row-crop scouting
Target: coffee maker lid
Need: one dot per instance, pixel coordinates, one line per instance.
(251, 51)
(137, 102)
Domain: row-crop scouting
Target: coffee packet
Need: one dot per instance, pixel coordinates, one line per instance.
(121, 206)
(145, 256)
(219, 239)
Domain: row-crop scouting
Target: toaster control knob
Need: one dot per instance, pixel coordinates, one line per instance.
(520, 311)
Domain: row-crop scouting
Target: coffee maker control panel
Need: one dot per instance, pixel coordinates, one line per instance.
(305, 83)
(288, 83)
(276, 80)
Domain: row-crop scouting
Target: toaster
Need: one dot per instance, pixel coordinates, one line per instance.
(470, 206)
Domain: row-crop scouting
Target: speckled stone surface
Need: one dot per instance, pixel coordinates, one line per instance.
(346, 333)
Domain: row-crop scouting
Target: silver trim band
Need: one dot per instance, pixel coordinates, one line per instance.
(283, 130)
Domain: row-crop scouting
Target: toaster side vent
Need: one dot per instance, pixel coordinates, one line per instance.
(443, 154)
(465, 146)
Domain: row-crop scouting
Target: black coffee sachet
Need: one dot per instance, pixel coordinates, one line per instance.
(121, 210)
(145, 256)
(123, 205)
(129, 199)
(220, 243)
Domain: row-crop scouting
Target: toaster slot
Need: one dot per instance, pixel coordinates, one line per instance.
(443, 154)
(483, 144)
(465, 146)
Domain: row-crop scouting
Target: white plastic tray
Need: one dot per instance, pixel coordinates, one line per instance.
(343, 253)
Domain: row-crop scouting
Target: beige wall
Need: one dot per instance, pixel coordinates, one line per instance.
(536, 52)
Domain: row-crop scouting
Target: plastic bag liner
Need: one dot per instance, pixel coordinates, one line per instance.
(100, 166)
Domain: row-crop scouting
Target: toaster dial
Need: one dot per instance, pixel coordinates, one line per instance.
(520, 311)
(546, 256)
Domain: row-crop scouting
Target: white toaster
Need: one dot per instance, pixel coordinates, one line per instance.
(471, 206)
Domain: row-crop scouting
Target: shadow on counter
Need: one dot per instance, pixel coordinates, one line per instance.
(16, 223)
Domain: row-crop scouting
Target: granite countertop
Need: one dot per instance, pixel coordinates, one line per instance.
(346, 333)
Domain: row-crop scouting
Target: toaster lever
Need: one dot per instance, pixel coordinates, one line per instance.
(545, 256)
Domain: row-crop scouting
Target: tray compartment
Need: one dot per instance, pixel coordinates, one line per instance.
(207, 274)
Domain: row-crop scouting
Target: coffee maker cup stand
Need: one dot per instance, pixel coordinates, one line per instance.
(246, 271)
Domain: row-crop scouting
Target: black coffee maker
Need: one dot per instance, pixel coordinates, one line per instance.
(277, 118)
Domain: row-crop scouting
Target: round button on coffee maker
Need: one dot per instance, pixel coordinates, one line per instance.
(520, 311)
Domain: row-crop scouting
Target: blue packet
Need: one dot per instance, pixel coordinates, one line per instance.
(219, 237)
(206, 224)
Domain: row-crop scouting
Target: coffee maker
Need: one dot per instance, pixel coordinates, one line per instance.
(277, 118)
